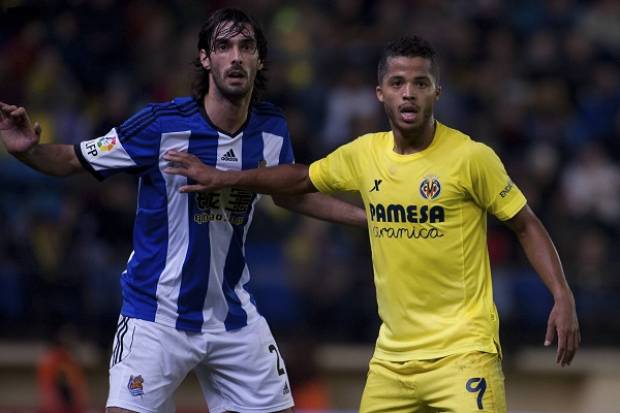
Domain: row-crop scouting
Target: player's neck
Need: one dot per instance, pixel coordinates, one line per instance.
(227, 114)
(408, 142)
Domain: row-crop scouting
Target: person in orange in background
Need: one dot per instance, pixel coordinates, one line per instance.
(60, 377)
(310, 387)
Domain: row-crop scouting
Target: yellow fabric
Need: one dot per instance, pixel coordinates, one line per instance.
(460, 383)
(427, 226)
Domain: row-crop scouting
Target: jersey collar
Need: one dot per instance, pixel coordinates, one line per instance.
(207, 119)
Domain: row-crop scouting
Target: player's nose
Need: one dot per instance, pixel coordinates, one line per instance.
(236, 54)
(408, 92)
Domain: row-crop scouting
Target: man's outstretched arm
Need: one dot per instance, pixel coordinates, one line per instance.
(276, 180)
(22, 141)
(323, 207)
(543, 256)
(287, 184)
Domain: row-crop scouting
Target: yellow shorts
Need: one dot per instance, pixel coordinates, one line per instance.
(459, 383)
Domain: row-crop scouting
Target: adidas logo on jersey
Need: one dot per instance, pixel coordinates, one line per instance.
(286, 389)
(229, 156)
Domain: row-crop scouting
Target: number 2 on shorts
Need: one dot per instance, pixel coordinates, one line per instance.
(477, 385)
(273, 349)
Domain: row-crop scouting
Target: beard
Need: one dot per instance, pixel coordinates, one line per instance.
(234, 92)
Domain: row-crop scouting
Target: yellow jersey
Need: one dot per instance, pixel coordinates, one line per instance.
(427, 226)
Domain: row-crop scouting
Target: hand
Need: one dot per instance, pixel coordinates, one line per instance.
(563, 320)
(185, 164)
(16, 131)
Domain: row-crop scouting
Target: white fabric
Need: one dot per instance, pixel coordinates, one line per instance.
(238, 370)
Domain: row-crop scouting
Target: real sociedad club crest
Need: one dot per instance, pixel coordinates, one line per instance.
(106, 143)
(430, 188)
(136, 385)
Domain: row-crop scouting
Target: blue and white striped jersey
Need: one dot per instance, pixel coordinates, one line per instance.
(188, 268)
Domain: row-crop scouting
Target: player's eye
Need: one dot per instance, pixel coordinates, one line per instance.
(422, 83)
(221, 46)
(248, 47)
(396, 82)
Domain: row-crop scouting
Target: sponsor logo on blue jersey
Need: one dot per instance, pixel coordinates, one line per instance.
(231, 206)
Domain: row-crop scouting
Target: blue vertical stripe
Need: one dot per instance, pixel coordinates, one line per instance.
(233, 269)
(286, 153)
(249, 214)
(150, 238)
(252, 154)
(195, 272)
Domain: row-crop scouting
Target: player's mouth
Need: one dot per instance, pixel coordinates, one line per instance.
(236, 74)
(408, 113)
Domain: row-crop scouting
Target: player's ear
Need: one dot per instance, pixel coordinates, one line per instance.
(204, 59)
(379, 92)
(437, 92)
(260, 64)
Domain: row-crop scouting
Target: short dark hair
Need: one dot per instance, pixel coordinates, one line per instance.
(408, 46)
(211, 30)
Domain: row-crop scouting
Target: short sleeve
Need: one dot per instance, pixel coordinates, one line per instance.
(489, 184)
(131, 147)
(336, 172)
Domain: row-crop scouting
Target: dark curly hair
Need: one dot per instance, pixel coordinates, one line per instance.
(408, 46)
(211, 30)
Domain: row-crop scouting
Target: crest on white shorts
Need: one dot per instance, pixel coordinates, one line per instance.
(136, 385)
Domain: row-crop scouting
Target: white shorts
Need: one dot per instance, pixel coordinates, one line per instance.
(239, 370)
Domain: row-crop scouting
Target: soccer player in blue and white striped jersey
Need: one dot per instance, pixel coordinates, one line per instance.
(185, 305)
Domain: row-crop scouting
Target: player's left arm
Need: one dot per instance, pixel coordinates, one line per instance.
(543, 256)
(334, 173)
(324, 207)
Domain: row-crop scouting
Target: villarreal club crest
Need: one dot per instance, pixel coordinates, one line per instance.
(430, 188)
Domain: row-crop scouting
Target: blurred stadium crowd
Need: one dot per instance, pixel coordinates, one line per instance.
(538, 81)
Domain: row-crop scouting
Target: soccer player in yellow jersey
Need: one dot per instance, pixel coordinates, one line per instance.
(427, 189)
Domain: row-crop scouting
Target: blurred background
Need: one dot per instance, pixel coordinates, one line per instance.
(539, 81)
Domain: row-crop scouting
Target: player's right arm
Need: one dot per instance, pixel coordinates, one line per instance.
(21, 140)
(290, 179)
